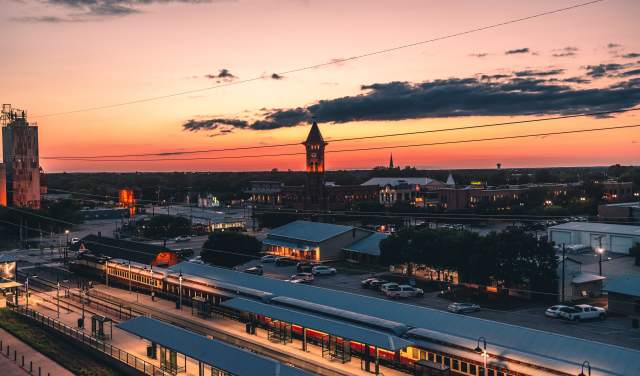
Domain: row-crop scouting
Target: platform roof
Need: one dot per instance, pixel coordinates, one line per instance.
(315, 232)
(604, 358)
(334, 327)
(626, 284)
(628, 230)
(212, 352)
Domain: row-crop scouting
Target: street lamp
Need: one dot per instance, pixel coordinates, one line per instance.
(180, 283)
(66, 248)
(483, 350)
(588, 369)
(600, 250)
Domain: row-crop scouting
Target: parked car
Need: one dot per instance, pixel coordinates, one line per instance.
(404, 291)
(365, 282)
(255, 270)
(554, 311)
(583, 312)
(304, 266)
(285, 261)
(197, 260)
(184, 253)
(303, 277)
(376, 284)
(75, 240)
(267, 259)
(182, 238)
(323, 270)
(387, 286)
(463, 307)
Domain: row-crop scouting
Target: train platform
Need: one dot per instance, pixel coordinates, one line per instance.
(213, 327)
(33, 360)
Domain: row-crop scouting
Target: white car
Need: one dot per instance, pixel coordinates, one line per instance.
(75, 240)
(463, 307)
(182, 238)
(554, 311)
(388, 286)
(583, 312)
(404, 291)
(323, 270)
(268, 258)
(301, 278)
(197, 260)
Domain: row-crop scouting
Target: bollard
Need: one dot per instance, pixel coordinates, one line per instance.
(22, 361)
(39, 371)
(30, 366)
(8, 350)
(0, 345)
(15, 356)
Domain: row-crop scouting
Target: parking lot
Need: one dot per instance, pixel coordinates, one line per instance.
(613, 330)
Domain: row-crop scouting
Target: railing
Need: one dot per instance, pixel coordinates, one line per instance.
(7, 352)
(103, 347)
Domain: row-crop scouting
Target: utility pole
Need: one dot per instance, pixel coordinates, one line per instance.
(563, 264)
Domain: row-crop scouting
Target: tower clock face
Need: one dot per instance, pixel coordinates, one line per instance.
(313, 155)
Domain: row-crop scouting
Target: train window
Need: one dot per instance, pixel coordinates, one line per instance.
(464, 367)
(438, 358)
(500, 373)
(491, 372)
(472, 369)
(431, 357)
(423, 355)
(455, 364)
(414, 353)
(481, 371)
(447, 361)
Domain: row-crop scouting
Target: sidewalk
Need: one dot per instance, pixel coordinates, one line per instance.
(10, 368)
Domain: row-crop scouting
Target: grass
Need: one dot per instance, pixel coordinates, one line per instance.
(63, 352)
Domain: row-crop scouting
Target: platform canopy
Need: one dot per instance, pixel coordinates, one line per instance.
(209, 351)
(333, 327)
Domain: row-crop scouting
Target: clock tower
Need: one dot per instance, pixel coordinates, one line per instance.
(315, 197)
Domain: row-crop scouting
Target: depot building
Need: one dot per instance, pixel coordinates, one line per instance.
(609, 237)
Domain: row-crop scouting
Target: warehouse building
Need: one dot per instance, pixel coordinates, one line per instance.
(611, 238)
(624, 295)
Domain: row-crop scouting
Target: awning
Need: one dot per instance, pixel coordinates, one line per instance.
(334, 327)
(10, 284)
(209, 351)
(586, 277)
(288, 244)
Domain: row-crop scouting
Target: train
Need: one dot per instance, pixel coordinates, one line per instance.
(430, 358)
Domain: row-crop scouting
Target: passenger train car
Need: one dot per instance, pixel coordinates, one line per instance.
(215, 285)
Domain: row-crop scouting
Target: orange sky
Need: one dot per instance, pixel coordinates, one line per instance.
(48, 67)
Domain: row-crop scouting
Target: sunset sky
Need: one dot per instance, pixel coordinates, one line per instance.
(65, 55)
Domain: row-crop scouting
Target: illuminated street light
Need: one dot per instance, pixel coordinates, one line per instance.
(180, 282)
(483, 350)
(588, 369)
(600, 251)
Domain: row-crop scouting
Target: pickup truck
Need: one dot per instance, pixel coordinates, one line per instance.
(583, 312)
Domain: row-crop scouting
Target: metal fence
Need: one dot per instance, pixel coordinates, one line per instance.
(103, 347)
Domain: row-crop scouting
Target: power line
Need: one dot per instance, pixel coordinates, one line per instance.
(168, 153)
(332, 62)
(365, 148)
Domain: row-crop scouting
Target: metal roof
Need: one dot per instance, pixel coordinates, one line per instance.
(586, 277)
(369, 245)
(381, 182)
(536, 344)
(315, 232)
(210, 351)
(285, 243)
(626, 284)
(337, 328)
(143, 253)
(628, 230)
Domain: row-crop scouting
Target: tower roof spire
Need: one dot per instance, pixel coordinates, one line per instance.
(315, 137)
(391, 161)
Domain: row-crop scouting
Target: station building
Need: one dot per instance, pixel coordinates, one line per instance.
(610, 237)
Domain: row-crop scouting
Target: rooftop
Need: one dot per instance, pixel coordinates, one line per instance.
(309, 231)
(381, 182)
(599, 227)
(369, 245)
(627, 285)
(210, 351)
(123, 249)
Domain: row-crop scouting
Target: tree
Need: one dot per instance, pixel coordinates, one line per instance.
(230, 249)
(165, 226)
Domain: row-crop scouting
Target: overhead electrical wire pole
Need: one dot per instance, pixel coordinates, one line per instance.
(327, 63)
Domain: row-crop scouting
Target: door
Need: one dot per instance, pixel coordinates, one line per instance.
(621, 244)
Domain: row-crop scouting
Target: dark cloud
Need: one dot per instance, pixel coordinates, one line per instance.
(276, 76)
(517, 51)
(613, 45)
(92, 10)
(565, 52)
(481, 54)
(485, 77)
(602, 70)
(631, 55)
(453, 97)
(223, 75)
(576, 80)
(535, 73)
(634, 72)
(193, 125)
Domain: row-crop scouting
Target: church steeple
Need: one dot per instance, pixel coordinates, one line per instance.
(391, 162)
(314, 137)
(315, 185)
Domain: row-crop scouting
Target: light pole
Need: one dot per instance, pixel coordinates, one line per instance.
(483, 351)
(66, 248)
(106, 272)
(180, 283)
(600, 251)
(588, 369)
(58, 298)
(129, 276)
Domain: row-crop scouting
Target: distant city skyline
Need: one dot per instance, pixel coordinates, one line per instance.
(64, 56)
